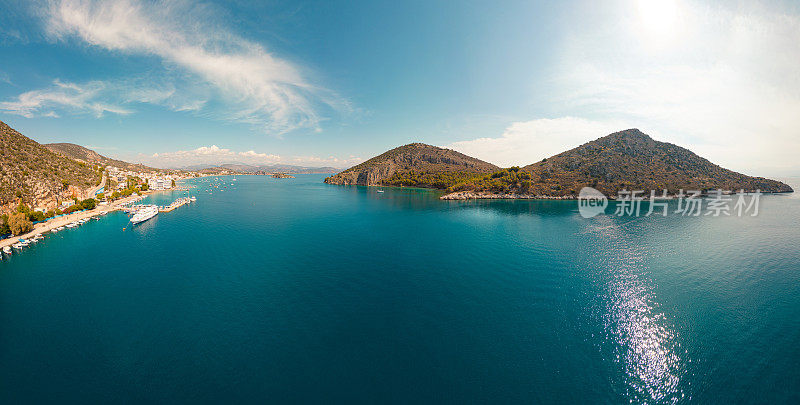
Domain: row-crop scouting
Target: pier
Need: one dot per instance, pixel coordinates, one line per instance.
(175, 204)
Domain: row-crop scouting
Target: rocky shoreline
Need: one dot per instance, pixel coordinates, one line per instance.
(471, 195)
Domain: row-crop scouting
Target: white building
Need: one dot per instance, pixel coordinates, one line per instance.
(159, 183)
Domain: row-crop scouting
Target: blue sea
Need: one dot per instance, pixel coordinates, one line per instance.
(291, 290)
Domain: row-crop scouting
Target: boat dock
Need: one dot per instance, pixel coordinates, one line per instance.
(177, 203)
(61, 223)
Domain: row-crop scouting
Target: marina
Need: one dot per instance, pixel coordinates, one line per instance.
(177, 203)
(138, 212)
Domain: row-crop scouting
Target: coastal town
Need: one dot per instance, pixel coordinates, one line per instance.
(28, 226)
(107, 185)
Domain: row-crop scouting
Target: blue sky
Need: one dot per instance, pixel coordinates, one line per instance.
(333, 83)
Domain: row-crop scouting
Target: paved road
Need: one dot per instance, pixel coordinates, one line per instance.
(94, 189)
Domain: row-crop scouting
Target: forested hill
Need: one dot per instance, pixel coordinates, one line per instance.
(628, 160)
(415, 164)
(32, 172)
(78, 152)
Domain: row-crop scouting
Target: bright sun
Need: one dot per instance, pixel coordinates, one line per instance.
(658, 18)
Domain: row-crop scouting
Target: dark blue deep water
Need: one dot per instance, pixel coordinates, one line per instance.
(296, 291)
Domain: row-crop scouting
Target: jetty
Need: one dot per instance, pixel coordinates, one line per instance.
(66, 221)
(75, 219)
(177, 203)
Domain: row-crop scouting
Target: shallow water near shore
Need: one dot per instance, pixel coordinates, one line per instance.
(293, 290)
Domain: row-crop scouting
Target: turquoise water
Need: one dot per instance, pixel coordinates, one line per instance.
(294, 291)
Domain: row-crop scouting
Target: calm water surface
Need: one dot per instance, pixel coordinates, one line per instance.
(292, 290)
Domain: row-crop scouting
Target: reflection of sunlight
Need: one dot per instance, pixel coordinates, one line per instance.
(644, 342)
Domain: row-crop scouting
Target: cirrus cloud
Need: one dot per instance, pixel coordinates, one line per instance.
(242, 79)
(70, 96)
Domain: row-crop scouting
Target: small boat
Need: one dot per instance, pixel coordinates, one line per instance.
(380, 191)
(17, 246)
(7, 250)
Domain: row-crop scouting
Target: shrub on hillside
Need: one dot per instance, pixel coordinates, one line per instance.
(18, 223)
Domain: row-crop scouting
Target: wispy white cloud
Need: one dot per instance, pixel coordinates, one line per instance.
(246, 82)
(215, 155)
(100, 97)
(63, 96)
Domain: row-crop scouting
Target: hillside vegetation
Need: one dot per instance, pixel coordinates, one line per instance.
(629, 160)
(32, 172)
(415, 164)
(81, 153)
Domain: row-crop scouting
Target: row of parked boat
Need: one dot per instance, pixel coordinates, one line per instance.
(140, 213)
(23, 243)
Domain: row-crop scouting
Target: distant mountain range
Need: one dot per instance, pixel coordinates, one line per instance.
(415, 164)
(625, 160)
(246, 168)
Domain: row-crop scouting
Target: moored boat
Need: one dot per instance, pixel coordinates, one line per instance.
(144, 213)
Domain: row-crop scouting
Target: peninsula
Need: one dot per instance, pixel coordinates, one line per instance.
(625, 160)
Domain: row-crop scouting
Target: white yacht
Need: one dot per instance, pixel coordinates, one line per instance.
(7, 250)
(144, 213)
